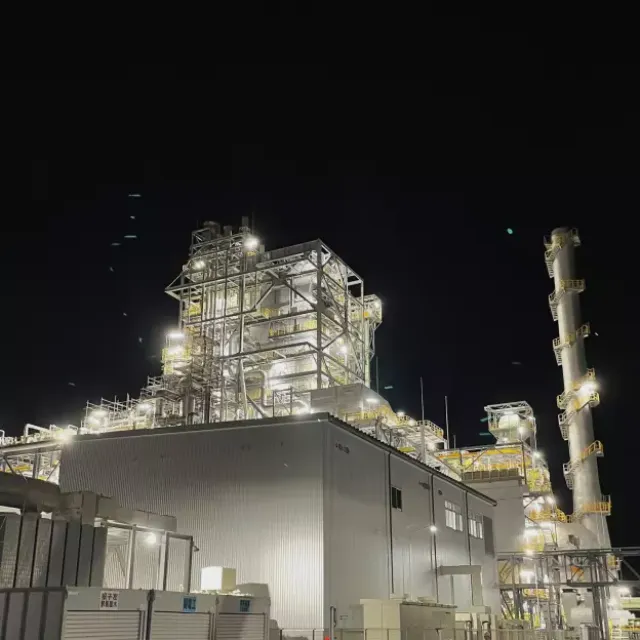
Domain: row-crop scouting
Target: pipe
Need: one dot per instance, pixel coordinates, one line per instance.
(586, 484)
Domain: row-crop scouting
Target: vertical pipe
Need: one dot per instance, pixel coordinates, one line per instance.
(434, 541)
(446, 418)
(319, 317)
(586, 484)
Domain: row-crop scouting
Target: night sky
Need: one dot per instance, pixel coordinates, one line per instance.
(412, 176)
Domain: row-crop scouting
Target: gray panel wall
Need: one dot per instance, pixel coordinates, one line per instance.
(452, 546)
(375, 551)
(412, 541)
(479, 555)
(251, 498)
(356, 521)
(304, 508)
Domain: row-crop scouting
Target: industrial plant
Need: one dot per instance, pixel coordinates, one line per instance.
(261, 488)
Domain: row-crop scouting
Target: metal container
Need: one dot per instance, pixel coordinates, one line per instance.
(187, 616)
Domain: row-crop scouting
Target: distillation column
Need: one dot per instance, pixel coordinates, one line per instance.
(580, 394)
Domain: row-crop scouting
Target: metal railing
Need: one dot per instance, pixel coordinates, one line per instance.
(417, 633)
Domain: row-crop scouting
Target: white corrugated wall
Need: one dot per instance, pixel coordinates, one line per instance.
(252, 499)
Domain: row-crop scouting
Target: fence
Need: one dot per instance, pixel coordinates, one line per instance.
(414, 633)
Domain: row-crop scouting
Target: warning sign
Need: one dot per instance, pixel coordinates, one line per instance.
(109, 600)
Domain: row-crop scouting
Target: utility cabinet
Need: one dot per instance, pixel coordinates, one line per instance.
(73, 613)
(188, 616)
(242, 617)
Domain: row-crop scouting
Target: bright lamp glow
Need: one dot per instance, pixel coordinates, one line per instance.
(98, 413)
(151, 538)
(251, 243)
(66, 435)
(372, 400)
(343, 348)
(145, 406)
(433, 528)
(175, 335)
(528, 552)
(551, 500)
(588, 388)
(401, 414)
(199, 264)
(537, 454)
(623, 591)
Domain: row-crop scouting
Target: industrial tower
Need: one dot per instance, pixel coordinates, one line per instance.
(580, 394)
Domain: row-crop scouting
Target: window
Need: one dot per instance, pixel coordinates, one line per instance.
(396, 498)
(476, 525)
(453, 515)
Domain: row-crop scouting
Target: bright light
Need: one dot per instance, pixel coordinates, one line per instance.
(431, 446)
(505, 440)
(93, 420)
(537, 454)
(400, 414)
(412, 422)
(433, 528)
(528, 552)
(372, 400)
(99, 413)
(151, 538)
(588, 388)
(145, 406)
(343, 348)
(251, 243)
(623, 591)
(529, 533)
(378, 304)
(526, 575)
(613, 603)
(175, 335)
(199, 264)
(174, 351)
(66, 435)
(551, 500)
(521, 430)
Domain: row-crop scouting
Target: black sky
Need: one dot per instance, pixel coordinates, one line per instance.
(411, 173)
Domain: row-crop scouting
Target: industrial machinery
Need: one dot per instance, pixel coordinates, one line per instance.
(94, 613)
(259, 334)
(287, 332)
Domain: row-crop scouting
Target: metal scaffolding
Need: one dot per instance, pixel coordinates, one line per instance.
(259, 330)
(543, 588)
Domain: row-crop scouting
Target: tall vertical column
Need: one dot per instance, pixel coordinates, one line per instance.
(580, 394)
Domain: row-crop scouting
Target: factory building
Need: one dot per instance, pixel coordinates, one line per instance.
(323, 513)
(263, 438)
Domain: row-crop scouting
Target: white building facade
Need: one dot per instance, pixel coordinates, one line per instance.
(322, 513)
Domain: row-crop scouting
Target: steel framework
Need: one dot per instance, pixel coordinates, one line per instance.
(533, 584)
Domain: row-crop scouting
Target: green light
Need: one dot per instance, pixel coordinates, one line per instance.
(510, 231)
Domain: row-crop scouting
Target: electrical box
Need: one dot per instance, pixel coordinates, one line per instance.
(73, 613)
(240, 617)
(401, 620)
(188, 616)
